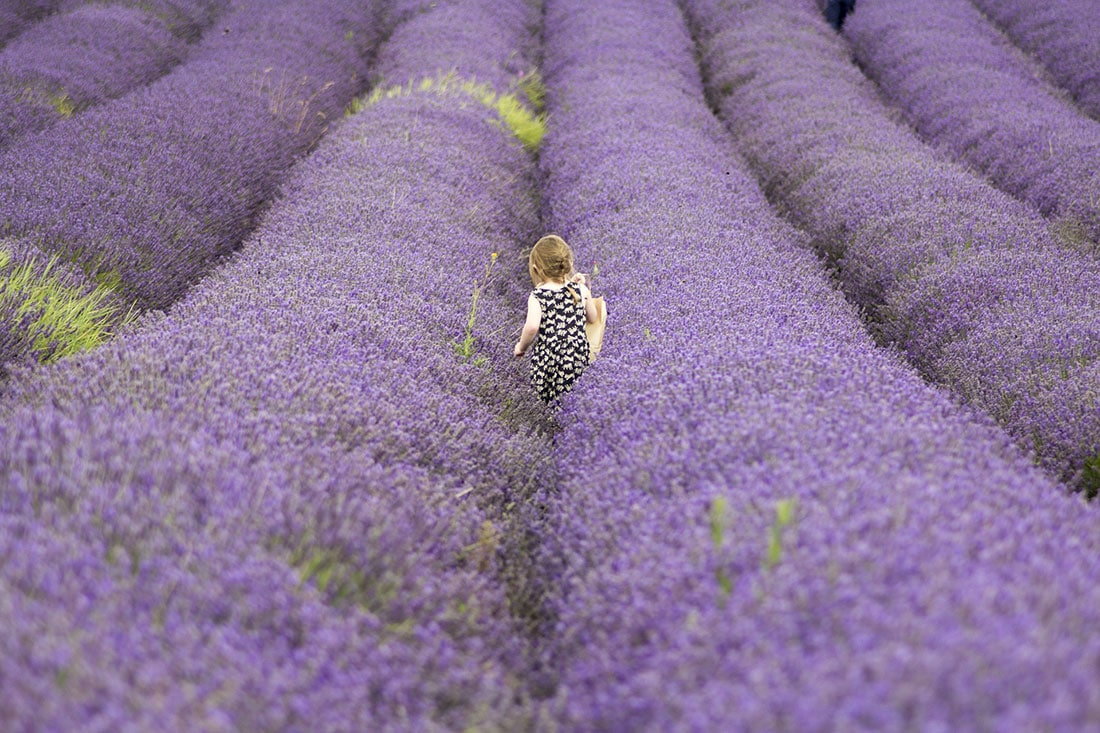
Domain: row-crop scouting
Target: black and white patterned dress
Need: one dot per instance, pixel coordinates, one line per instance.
(560, 353)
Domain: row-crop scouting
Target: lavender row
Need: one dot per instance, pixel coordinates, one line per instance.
(186, 19)
(764, 521)
(968, 282)
(965, 88)
(1064, 36)
(73, 60)
(15, 15)
(280, 505)
(420, 49)
(153, 188)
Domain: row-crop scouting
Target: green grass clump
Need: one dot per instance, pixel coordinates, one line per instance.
(1090, 479)
(534, 89)
(62, 320)
(526, 125)
(42, 95)
(63, 104)
(717, 531)
(344, 583)
(784, 517)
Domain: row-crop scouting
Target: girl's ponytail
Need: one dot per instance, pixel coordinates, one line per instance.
(575, 293)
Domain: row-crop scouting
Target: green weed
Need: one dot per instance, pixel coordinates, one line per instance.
(534, 89)
(341, 580)
(43, 95)
(62, 320)
(1090, 478)
(784, 517)
(466, 349)
(528, 128)
(63, 104)
(717, 538)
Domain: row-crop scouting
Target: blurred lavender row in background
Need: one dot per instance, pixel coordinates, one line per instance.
(15, 15)
(1064, 36)
(764, 521)
(965, 88)
(282, 505)
(95, 52)
(145, 193)
(967, 281)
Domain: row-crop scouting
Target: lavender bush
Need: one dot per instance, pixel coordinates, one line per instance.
(967, 89)
(15, 15)
(151, 189)
(944, 266)
(1064, 36)
(280, 506)
(73, 60)
(186, 19)
(763, 521)
(418, 47)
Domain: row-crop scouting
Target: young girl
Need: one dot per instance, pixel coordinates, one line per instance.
(557, 310)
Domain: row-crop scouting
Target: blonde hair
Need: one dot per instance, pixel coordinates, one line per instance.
(551, 260)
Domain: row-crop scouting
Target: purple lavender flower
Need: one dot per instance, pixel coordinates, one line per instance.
(72, 60)
(288, 503)
(283, 504)
(1064, 36)
(763, 521)
(186, 19)
(15, 15)
(151, 189)
(928, 249)
(964, 87)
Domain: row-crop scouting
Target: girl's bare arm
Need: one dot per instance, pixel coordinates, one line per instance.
(590, 314)
(530, 327)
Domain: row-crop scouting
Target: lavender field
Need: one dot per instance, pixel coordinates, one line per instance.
(267, 462)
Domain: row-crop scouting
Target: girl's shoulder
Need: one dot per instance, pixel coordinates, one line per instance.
(549, 292)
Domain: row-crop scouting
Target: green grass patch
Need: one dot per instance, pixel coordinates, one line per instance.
(39, 95)
(718, 521)
(526, 124)
(344, 583)
(534, 89)
(1090, 478)
(63, 104)
(61, 320)
(784, 517)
